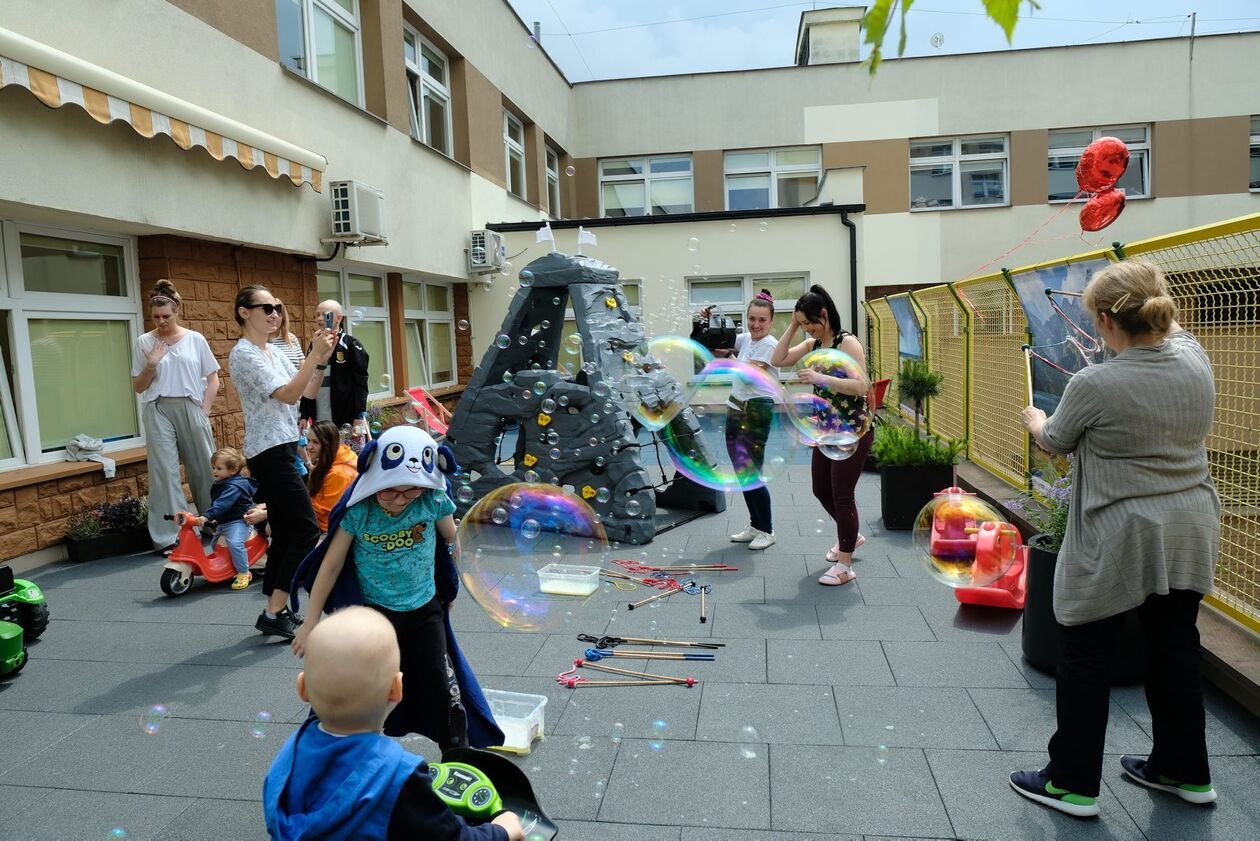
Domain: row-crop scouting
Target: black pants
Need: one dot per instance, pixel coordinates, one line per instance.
(290, 517)
(431, 701)
(1174, 693)
(834, 483)
(746, 432)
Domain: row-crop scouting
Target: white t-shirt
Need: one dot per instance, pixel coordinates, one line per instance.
(746, 350)
(257, 374)
(182, 372)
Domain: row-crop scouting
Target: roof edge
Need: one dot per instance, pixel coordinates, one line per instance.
(676, 218)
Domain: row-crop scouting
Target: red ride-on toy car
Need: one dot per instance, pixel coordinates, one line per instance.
(189, 557)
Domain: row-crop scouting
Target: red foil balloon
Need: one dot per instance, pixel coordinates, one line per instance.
(1101, 210)
(1101, 165)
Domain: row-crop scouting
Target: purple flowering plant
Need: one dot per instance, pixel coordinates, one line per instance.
(1045, 504)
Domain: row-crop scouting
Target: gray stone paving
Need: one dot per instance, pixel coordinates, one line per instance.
(877, 710)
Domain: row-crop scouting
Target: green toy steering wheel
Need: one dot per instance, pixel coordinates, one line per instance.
(466, 790)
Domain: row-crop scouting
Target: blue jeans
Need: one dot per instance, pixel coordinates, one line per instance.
(236, 532)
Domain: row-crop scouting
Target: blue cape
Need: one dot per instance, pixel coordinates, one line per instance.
(482, 729)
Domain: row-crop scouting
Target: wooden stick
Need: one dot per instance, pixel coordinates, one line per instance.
(662, 595)
(586, 664)
(703, 618)
(1028, 372)
(575, 682)
(646, 641)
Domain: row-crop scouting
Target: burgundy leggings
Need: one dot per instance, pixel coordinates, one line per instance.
(833, 485)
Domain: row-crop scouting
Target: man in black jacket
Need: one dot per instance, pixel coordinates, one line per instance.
(343, 395)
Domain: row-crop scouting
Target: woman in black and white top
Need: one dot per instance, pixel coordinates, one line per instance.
(269, 388)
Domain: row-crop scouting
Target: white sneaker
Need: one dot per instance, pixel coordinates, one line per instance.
(762, 540)
(744, 536)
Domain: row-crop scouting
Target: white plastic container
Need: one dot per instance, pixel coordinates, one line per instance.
(519, 716)
(568, 579)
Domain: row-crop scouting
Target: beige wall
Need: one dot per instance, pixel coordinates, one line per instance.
(485, 127)
(251, 22)
(1200, 157)
(709, 180)
(886, 178)
(1030, 182)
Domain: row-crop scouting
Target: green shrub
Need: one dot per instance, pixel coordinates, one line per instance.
(917, 383)
(898, 445)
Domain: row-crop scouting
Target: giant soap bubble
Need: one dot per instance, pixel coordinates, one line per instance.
(513, 532)
(683, 357)
(963, 541)
(820, 416)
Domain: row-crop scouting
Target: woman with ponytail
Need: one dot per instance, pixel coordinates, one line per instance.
(1143, 533)
(833, 482)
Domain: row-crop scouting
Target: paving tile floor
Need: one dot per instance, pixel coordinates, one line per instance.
(880, 709)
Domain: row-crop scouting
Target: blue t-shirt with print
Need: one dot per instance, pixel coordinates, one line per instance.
(394, 554)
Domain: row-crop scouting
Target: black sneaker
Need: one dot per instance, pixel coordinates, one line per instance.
(1035, 785)
(1136, 769)
(284, 625)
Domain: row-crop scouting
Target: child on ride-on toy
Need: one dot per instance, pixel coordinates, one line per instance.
(231, 496)
(338, 776)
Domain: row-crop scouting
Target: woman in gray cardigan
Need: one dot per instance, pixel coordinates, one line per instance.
(1143, 532)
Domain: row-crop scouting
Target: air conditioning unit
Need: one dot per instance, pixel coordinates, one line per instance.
(487, 252)
(358, 213)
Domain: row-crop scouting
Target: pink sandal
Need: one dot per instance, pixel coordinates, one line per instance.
(832, 577)
(833, 554)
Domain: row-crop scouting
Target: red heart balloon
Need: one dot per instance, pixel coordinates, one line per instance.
(1102, 163)
(1101, 210)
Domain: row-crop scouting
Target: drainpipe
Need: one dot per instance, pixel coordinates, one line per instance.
(853, 272)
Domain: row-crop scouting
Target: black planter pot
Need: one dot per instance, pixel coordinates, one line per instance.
(1040, 634)
(108, 545)
(903, 491)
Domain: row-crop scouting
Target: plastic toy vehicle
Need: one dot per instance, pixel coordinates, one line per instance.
(12, 649)
(189, 558)
(22, 603)
(477, 785)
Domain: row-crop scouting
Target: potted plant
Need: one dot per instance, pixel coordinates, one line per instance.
(912, 468)
(112, 528)
(1045, 508)
(918, 383)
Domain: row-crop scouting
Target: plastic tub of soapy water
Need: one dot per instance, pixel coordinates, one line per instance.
(568, 579)
(519, 716)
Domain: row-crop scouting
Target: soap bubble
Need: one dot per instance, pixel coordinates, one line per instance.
(464, 493)
(601, 389)
(555, 301)
(462, 324)
(386, 382)
(346, 431)
(375, 428)
(633, 508)
(503, 341)
(526, 278)
(356, 314)
(153, 718)
(548, 405)
(881, 755)
(554, 453)
(540, 388)
(764, 226)
(618, 732)
(731, 227)
(573, 344)
(508, 376)
(826, 420)
(693, 243)
(570, 170)
(522, 340)
(505, 269)
(654, 408)
(517, 530)
(532, 41)
(602, 495)
(660, 729)
(962, 541)
(262, 723)
(749, 741)
(118, 832)
(553, 437)
(411, 413)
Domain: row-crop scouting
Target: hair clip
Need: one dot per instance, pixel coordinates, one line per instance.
(1120, 303)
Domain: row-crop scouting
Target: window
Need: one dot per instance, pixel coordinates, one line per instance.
(553, 184)
(1254, 178)
(428, 87)
(514, 153)
(320, 40)
(71, 299)
(362, 298)
(958, 172)
(762, 179)
(1066, 148)
(733, 293)
(429, 333)
(629, 186)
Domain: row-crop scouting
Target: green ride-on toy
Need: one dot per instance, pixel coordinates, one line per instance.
(23, 616)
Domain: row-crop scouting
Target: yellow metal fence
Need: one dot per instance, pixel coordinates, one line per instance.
(973, 332)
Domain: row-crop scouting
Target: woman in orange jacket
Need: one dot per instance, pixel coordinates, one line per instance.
(334, 467)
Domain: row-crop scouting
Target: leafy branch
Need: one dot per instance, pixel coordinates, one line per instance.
(879, 16)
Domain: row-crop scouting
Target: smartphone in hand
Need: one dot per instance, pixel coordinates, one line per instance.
(328, 320)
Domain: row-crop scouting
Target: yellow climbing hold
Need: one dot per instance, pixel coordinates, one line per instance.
(543, 418)
(588, 492)
(530, 460)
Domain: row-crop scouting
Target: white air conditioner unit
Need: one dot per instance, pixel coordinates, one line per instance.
(358, 213)
(487, 252)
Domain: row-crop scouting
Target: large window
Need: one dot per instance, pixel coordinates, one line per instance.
(1065, 152)
(955, 172)
(514, 154)
(429, 334)
(362, 298)
(1254, 177)
(630, 186)
(428, 86)
(766, 178)
(69, 317)
(733, 292)
(553, 184)
(320, 40)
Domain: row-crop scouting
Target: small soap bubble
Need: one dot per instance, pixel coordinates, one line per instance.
(570, 170)
(346, 431)
(386, 382)
(465, 493)
(356, 314)
(118, 832)
(262, 723)
(462, 324)
(532, 41)
(506, 270)
(563, 400)
(540, 388)
(548, 405)
(503, 341)
(594, 417)
(602, 495)
(499, 516)
(553, 437)
(600, 389)
(531, 476)
(881, 755)
(375, 428)
(660, 729)
(764, 226)
(526, 278)
(693, 243)
(583, 743)
(749, 740)
(153, 719)
(530, 529)
(554, 453)
(411, 413)
(522, 339)
(731, 227)
(632, 510)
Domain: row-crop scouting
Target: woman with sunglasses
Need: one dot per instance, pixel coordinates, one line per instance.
(269, 388)
(177, 376)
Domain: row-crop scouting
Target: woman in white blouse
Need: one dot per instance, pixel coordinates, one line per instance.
(177, 376)
(270, 387)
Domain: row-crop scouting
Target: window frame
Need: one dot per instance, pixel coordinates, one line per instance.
(423, 318)
(510, 146)
(750, 283)
(551, 156)
(370, 314)
(422, 82)
(772, 171)
(351, 22)
(1105, 131)
(20, 407)
(646, 177)
(955, 160)
(1253, 147)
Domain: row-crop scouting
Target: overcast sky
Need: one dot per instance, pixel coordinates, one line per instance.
(608, 39)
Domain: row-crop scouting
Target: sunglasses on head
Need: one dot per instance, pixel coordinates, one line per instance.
(268, 309)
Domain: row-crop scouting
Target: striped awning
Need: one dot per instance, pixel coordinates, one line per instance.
(58, 79)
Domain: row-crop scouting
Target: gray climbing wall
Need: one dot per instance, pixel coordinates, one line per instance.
(577, 412)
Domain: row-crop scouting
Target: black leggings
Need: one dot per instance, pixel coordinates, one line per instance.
(833, 485)
(746, 432)
(290, 517)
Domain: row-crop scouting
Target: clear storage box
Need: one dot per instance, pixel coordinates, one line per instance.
(519, 716)
(568, 579)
